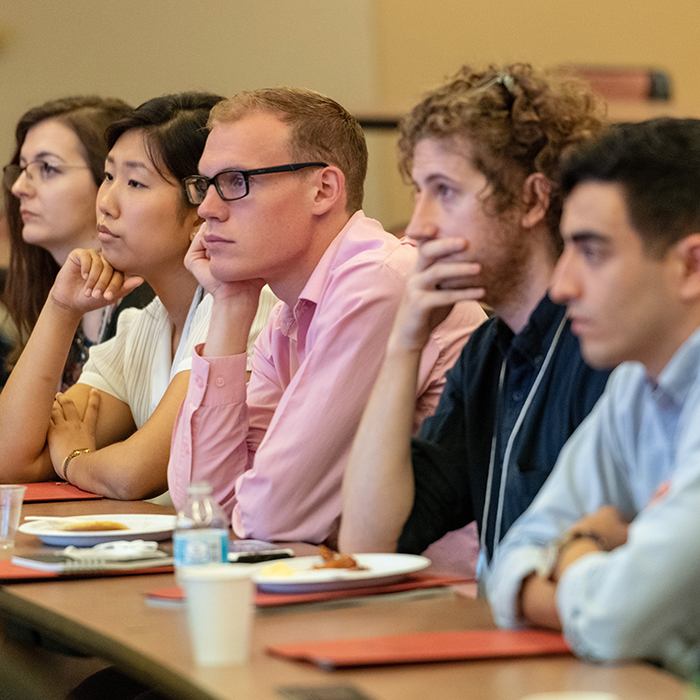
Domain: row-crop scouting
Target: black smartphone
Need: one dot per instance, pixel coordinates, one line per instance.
(254, 551)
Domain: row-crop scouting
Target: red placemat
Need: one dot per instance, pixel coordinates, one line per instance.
(56, 491)
(11, 573)
(262, 599)
(423, 647)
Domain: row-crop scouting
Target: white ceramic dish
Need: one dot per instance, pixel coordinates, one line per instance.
(381, 569)
(141, 527)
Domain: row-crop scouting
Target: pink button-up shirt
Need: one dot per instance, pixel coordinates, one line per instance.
(275, 451)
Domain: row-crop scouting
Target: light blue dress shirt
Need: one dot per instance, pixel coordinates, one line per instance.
(641, 600)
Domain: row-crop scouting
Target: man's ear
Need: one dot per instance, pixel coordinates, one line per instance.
(536, 192)
(688, 252)
(329, 189)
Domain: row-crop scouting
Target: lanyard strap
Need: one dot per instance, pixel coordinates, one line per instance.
(511, 442)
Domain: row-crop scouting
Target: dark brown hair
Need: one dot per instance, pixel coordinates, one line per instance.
(517, 121)
(657, 165)
(33, 269)
(320, 130)
(174, 132)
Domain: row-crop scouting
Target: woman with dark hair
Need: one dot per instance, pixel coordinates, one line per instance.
(110, 433)
(49, 189)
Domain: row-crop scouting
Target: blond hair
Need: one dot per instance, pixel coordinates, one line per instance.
(320, 130)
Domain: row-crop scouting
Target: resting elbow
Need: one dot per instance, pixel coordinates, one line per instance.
(611, 638)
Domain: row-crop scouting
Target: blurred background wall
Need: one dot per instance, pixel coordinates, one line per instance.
(371, 55)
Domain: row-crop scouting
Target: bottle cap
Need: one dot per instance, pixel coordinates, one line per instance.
(199, 487)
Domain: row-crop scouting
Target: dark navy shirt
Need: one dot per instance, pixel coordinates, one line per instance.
(452, 452)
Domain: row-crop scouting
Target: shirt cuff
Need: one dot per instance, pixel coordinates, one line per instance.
(503, 582)
(574, 605)
(218, 381)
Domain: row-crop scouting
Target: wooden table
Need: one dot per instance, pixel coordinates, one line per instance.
(109, 618)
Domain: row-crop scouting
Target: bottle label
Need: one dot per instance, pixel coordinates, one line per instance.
(200, 547)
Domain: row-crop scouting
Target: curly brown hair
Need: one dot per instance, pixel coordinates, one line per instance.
(518, 121)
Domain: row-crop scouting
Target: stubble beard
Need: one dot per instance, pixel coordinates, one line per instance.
(505, 274)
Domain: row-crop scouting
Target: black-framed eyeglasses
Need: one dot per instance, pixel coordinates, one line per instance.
(35, 169)
(234, 184)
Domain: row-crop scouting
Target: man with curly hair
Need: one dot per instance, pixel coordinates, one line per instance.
(483, 154)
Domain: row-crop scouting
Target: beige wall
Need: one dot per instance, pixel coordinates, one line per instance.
(420, 43)
(365, 53)
(137, 49)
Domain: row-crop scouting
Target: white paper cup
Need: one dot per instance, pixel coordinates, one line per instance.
(219, 611)
(11, 497)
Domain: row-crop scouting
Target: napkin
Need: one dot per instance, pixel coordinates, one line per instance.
(412, 582)
(11, 573)
(56, 491)
(423, 647)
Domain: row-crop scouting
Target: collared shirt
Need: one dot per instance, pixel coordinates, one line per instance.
(640, 600)
(484, 406)
(137, 364)
(275, 455)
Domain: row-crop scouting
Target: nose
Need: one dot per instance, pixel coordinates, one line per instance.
(23, 186)
(107, 202)
(212, 207)
(423, 224)
(564, 287)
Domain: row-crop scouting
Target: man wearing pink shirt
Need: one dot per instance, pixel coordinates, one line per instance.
(281, 190)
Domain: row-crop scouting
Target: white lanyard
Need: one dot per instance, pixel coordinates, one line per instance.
(509, 449)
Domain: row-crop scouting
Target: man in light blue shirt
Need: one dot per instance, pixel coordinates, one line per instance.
(609, 551)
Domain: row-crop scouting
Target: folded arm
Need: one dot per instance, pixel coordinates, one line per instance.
(636, 600)
(85, 282)
(125, 463)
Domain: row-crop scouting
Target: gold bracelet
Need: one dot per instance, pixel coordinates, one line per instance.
(66, 461)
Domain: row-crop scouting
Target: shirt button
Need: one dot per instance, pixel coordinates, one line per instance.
(517, 395)
(198, 381)
(220, 381)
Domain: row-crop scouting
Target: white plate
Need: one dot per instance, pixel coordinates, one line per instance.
(141, 527)
(381, 569)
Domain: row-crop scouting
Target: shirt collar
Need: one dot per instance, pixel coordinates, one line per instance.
(532, 342)
(680, 373)
(314, 285)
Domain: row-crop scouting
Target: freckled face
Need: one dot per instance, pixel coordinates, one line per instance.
(450, 196)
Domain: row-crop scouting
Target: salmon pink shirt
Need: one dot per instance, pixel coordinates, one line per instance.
(275, 450)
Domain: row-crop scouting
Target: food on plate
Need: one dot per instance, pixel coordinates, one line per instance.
(331, 560)
(93, 526)
(336, 560)
(278, 569)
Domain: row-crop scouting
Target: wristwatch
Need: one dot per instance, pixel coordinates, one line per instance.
(554, 549)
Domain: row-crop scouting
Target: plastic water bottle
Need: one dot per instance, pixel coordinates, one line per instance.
(201, 529)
